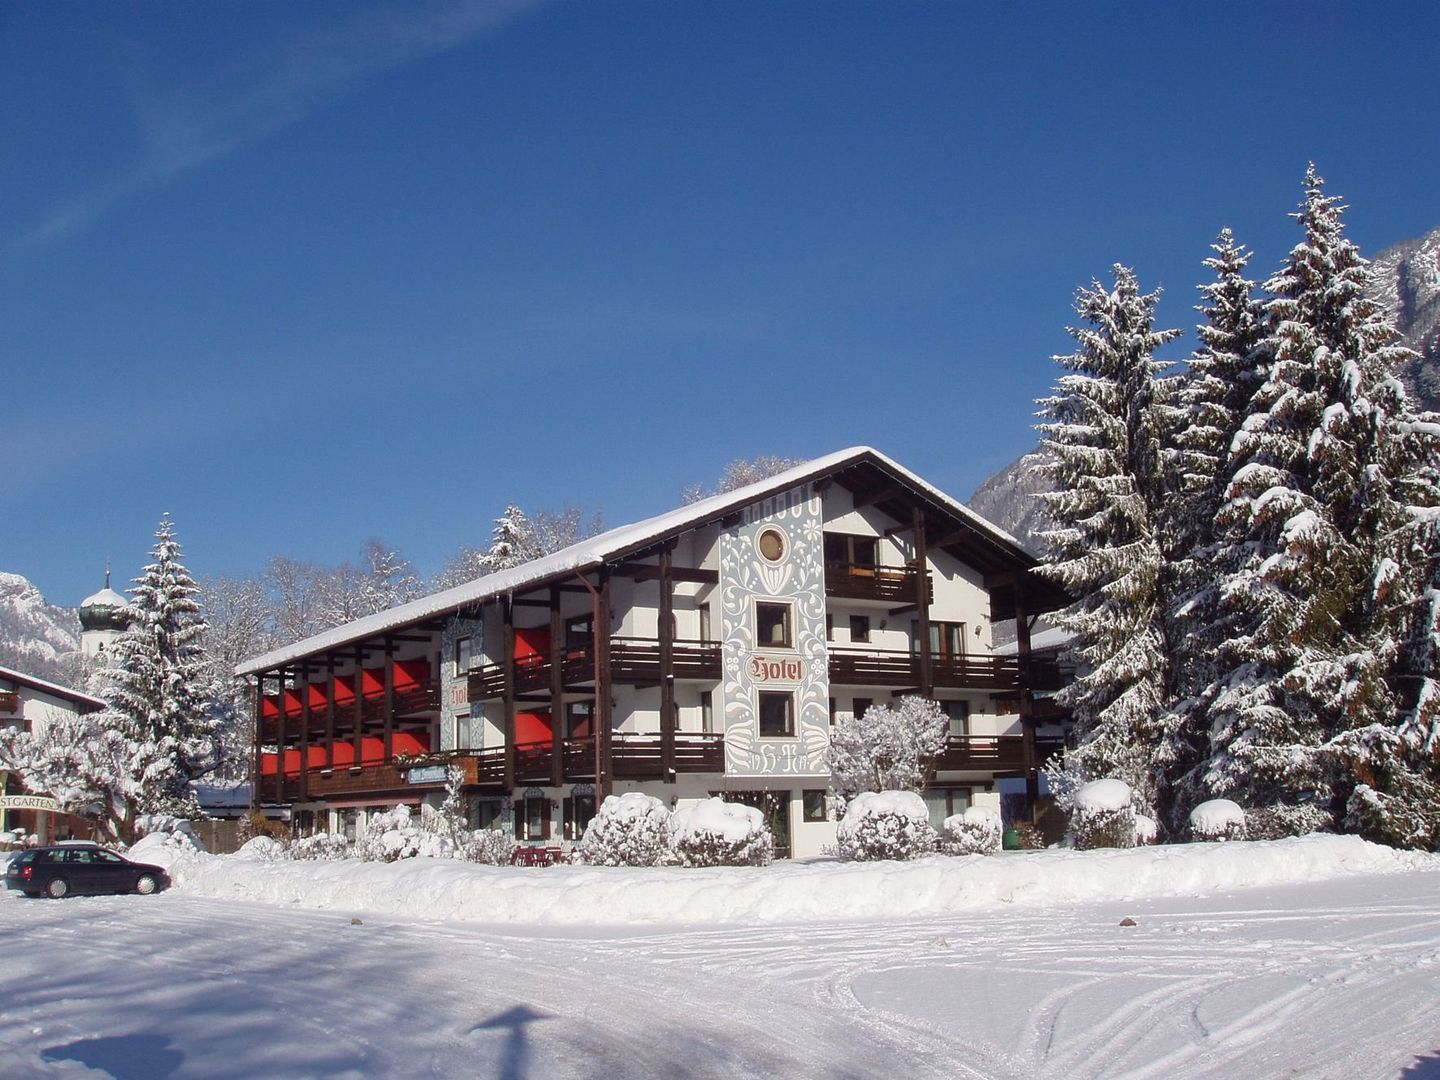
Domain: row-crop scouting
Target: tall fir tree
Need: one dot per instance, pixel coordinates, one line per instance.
(1311, 519)
(1105, 434)
(164, 699)
(1213, 399)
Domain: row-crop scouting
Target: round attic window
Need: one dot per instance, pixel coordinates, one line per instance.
(771, 543)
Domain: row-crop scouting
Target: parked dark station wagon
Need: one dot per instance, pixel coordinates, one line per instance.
(80, 868)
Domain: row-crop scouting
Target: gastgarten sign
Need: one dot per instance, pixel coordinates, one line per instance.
(429, 774)
(28, 802)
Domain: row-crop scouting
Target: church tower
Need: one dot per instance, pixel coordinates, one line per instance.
(101, 619)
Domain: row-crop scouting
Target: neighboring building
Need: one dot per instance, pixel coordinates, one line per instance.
(712, 648)
(101, 621)
(30, 703)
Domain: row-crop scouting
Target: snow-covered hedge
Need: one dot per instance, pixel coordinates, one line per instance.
(1217, 819)
(717, 833)
(392, 835)
(1147, 831)
(489, 847)
(628, 830)
(1278, 822)
(974, 832)
(1102, 816)
(262, 849)
(885, 825)
(158, 830)
(319, 846)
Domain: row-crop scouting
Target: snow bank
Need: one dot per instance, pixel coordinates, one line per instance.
(799, 891)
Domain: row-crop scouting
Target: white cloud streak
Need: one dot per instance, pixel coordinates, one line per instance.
(189, 125)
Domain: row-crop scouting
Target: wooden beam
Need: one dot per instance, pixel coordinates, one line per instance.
(530, 601)
(330, 718)
(889, 491)
(280, 739)
(557, 690)
(507, 634)
(922, 601)
(304, 784)
(259, 756)
(359, 706)
(389, 719)
(602, 686)
(650, 572)
(667, 668)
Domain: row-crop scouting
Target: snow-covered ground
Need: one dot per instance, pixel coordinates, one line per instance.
(1014, 966)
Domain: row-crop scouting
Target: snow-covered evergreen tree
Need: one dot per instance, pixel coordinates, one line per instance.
(1105, 432)
(1213, 399)
(887, 748)
(164, 700)
(1314, 510)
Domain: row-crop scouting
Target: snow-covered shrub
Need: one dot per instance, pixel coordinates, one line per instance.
(393, 835)
(885, 825)
(717, 833)
(974, 832)
(489, 847)
(173, 832)
(1146, 831)
(628, 830)
(1217, 819)
(887, 748)
(261, 849)
(320, 846)
(1278, 822)
(1101, 815)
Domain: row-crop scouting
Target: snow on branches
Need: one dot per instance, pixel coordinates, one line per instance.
(887, 748)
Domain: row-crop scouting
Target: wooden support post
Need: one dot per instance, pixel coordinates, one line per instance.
(389, 700)
(359, 705)
(602, 686)
(330, 713)
(507, 634)
(557, 691)
(922, 601)
(667, 667)
(1027, 700)
(258, 762)
(280, 738)
(304, 778)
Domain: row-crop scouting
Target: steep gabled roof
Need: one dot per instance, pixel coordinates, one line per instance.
(85, 702)
(864, 470)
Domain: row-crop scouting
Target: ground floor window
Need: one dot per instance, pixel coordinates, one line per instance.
(532, 816)
(813, 800)
(945, 802)
(775, 805)
(486, 813)
(578, 811)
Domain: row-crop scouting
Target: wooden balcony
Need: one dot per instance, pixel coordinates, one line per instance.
(894, 585)
(993, 753)
(633, 661)
(409, 701)
(971, 671)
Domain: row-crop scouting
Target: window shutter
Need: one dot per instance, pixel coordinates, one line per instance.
(567, 810)
(545, 806)
(519, 819)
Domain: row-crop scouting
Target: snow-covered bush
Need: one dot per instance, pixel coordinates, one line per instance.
(885, 825)
(717, 833)
(393, 835)
(489, 847)
(629, 830)
(173, 832)
(321, 846)
(261, 849)
(1146, 831)
(1278, 822)
(974, 832)
(1217, 819)
(1102, 816)
(887, 748)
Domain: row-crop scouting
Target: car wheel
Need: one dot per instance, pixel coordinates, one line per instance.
(57, 888)
(146, 884)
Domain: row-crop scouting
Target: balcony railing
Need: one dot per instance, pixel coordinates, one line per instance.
(998, 753)
(970, 671)
(864, 581)
(409, 700)
(632, 661)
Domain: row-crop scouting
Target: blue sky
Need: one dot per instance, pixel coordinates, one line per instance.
(306, 274)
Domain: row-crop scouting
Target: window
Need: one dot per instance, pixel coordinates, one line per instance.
(771, 544)
(532, 816)
(946, 638)
(777, 715)
(462, 655)
(945, 802)
(854, 550)
(959, 714)
(485, 813)
(705, 623)
(578, 719)
(860, 705)
(859, 628)
(829, 627)
(832, 712)
(578, 633)
(579, 811)
(772, 625)
(813, 801)
(707, 712)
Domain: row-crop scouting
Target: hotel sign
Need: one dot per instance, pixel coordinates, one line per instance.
(776, 669)
(28, 802)
(429, 774)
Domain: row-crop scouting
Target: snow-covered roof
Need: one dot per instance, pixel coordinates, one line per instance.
(106, 597)
(47, 687)
(607, 546)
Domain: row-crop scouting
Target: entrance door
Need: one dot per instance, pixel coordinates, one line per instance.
(775, 805)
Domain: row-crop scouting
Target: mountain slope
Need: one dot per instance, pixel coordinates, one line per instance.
(35, 637)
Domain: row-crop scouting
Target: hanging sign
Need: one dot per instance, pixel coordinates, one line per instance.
(429, 774)
(28, 802)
